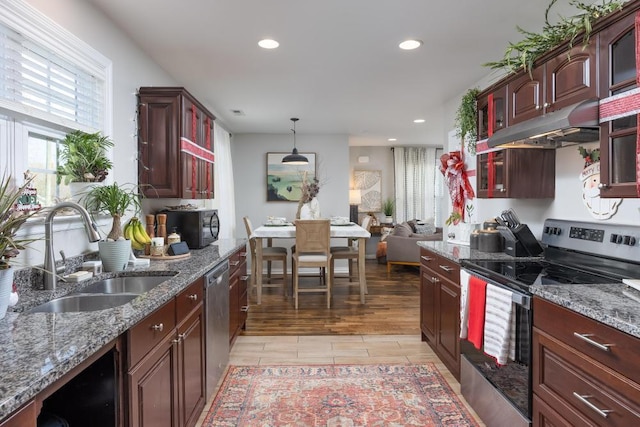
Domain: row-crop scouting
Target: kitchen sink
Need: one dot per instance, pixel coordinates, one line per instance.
(83, 302)
(131, 285)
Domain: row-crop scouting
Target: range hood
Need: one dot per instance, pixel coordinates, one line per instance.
(574, 124)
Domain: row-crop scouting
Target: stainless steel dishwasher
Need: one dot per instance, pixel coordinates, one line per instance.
(216, 286)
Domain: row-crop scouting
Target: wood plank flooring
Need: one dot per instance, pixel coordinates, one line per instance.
(392, 307)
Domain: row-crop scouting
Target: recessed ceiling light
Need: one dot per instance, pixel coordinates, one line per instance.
(268, 44)
(410, 44)
(392, 139)
(419, 121)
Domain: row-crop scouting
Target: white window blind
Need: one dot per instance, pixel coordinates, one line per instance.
(48, 74)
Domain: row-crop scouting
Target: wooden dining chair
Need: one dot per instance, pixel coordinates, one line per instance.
(312, 250)
(269, 254)
(349, 252)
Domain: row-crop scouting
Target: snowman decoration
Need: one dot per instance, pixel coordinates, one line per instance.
(590, 177)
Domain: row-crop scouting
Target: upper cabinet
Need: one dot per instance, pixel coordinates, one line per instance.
(618, 136)
(175, 144)
(492, 111)
(563, 80)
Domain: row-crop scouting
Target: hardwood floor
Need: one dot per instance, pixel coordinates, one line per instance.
(392, 307)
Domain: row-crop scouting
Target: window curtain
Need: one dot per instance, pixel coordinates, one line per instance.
(224, 186)
(415, 182)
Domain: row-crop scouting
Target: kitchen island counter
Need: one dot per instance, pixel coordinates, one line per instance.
(40, 348)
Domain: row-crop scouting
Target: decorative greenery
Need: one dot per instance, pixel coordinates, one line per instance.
(388, 207)
(523, 54)
(114, 200)
(467, 119)
(11, 220)
(84, 157)
(454, 218)
(589, 156)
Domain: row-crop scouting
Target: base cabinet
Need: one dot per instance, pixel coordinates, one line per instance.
(584, 372)
(238, 294)
(440, 307)
(166, 363)
(23, 417)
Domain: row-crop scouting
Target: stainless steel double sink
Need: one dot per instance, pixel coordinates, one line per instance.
(101, 295)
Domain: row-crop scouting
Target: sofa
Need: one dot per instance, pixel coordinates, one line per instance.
(402, 246)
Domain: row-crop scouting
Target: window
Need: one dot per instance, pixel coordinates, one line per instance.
(51, 83)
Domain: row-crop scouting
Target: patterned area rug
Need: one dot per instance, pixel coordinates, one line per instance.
(336, 396)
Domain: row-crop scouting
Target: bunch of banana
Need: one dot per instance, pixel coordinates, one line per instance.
(135, 232)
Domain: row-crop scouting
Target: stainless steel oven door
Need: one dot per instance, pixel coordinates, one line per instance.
(501, 394)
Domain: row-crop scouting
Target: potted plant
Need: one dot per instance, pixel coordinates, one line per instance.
(84, 160)
(11, 220)
(114, 200)
(388, 208)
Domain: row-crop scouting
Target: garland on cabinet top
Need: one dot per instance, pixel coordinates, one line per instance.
(523, 54)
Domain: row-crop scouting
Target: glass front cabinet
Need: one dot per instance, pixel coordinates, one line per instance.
(618, 136)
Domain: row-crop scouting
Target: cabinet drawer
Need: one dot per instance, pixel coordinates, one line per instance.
(621, 351)
(150, 331)
(189, 298)
(443, 267)
(235, 261)
(577, 386)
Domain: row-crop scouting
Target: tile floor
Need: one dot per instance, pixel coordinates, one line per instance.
(338, 349)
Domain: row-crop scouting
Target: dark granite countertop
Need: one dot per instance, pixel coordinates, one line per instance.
(613, 304)
(39, 348)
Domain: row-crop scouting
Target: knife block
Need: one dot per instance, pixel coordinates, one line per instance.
(527, 240)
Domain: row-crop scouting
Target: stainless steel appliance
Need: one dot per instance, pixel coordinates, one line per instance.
(216, 283)
(575, 252)
(197, 227)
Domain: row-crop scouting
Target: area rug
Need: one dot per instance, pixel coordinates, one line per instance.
(336, 395)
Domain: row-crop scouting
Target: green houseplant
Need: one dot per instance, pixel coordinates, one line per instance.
(467, 119)
(388, 209)
(11, 220)
(84, 157)
(114, 200)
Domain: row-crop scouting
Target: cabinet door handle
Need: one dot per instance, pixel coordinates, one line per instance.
(546, 105)
(584, 399)
(538, 107)
(585, 337)
(434, 279)
(193, 297)
(244, 308)
(446, 268)
(426, 258)
(159, 327)
(244, 278)
(602, 185)
(234, 263)
(243, 254)
(181, 337)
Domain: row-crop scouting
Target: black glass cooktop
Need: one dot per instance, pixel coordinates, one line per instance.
(522, 274)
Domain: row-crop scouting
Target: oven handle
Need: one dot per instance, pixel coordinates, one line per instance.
(518, 297)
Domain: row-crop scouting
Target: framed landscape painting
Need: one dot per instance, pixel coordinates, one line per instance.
(370, 185)
(284, 182)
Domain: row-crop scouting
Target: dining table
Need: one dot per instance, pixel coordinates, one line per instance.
(288, 231)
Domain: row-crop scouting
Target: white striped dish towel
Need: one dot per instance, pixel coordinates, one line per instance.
(498, 323)
(464, 303)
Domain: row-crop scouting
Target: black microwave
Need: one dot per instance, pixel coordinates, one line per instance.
(198, 228)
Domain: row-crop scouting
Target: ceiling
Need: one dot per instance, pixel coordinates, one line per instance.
(338, 67)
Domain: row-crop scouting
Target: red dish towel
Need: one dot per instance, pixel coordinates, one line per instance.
(477, 299)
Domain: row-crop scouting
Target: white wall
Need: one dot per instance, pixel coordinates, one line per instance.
(132, 68)
(249, 153)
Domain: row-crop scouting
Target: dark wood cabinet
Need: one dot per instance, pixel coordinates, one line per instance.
(525, 96)
(618, 136)
(175, 134)
(440, 307)
(584, 372)
(570, 77)
(238, 293)
(23, 417)
(492, 111)
(166, 368)
(519, 173)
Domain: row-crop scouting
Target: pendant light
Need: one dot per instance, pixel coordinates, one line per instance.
(294, 158)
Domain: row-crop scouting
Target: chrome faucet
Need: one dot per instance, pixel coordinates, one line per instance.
(50, 274)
